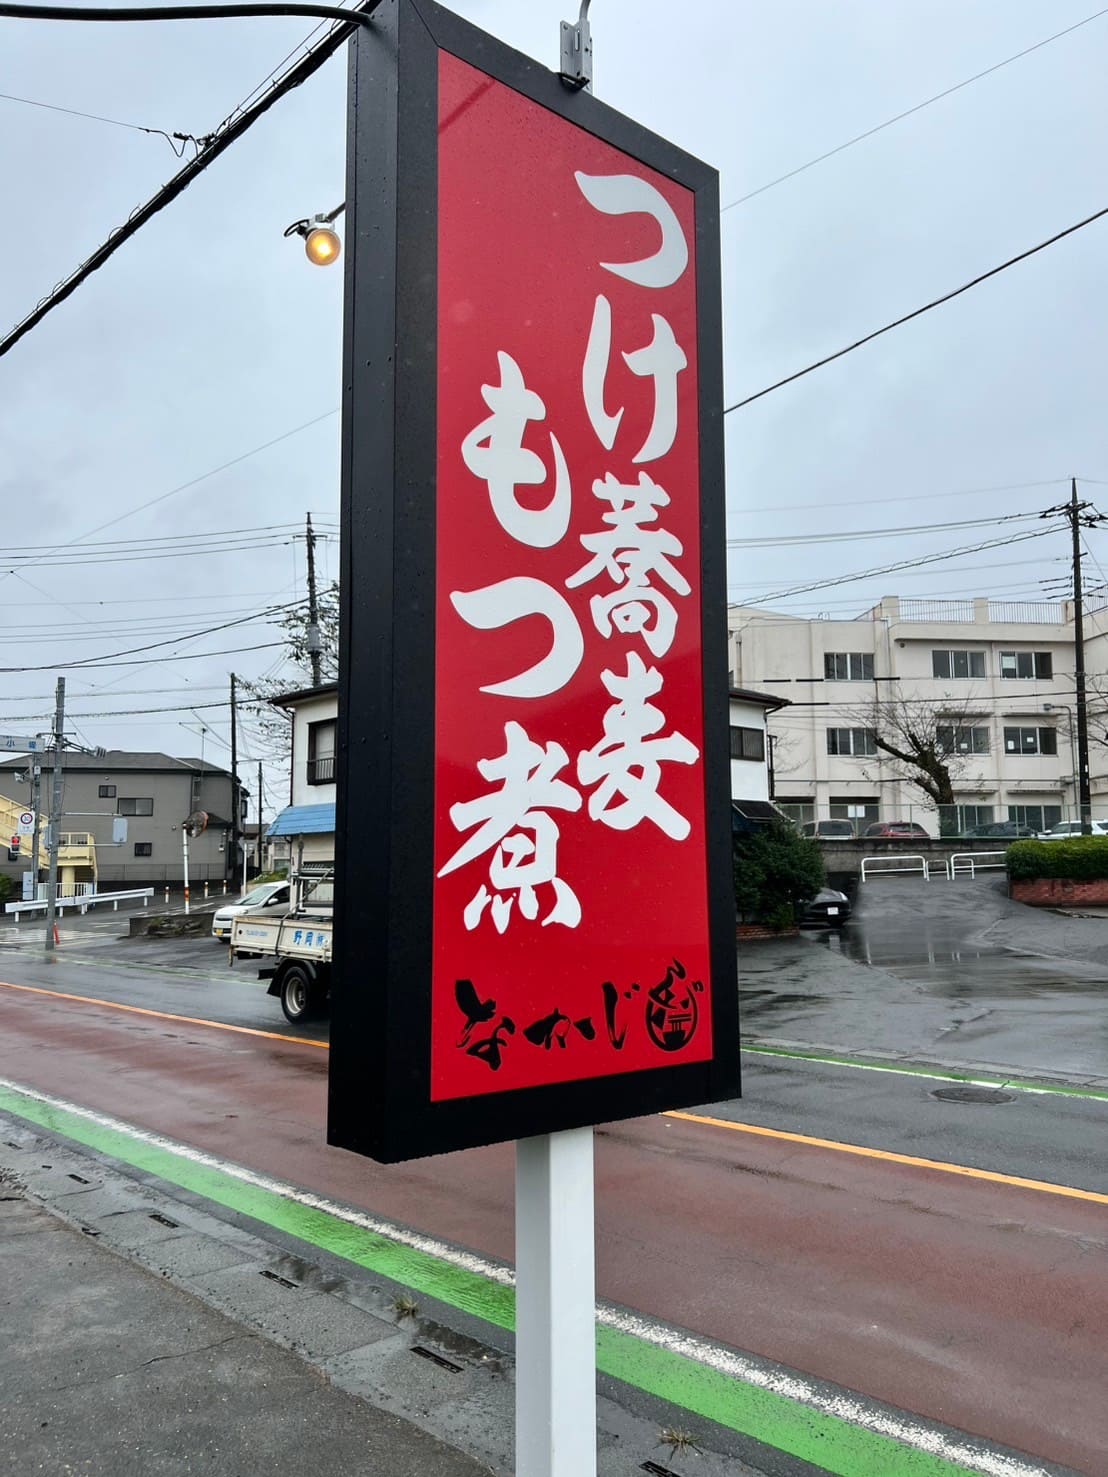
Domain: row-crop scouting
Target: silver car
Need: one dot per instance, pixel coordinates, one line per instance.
(267, 900)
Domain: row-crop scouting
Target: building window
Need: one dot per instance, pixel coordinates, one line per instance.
(135, 805)
(848, 666)
(861, 811)
(748, 743)
(1026, 664)
(799, 811)
(957, 740)
(1036, 817)
(106, 792)
(961, 664)
(1030, 741)
(969, 816)
(144, 848)
(855, 741)
(321, 753)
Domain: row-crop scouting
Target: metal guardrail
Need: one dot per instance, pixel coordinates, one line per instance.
(898, 865)
(972, 862)
(84, 902)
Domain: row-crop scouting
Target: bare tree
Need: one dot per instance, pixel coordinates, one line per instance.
(929, 741)
(274, 725)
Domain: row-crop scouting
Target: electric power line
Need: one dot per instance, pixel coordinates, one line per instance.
(844, 579)
(172, 139)
(217, 144)
(155, 645)
(908, 112)
(850, 535)
(915, 313)
(880, 502)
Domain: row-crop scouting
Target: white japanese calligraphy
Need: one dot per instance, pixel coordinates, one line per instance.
(512, 600)
(513, 823)
(630, 553)
(662, 360)
(494, 452)
(594, 370)
(628, 194)
(627, 761)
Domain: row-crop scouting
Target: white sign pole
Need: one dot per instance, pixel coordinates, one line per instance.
(555, 1306)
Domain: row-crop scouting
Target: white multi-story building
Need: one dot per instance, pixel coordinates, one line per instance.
(996, 679)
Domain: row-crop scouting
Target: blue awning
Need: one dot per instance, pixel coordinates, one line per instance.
(304, 820)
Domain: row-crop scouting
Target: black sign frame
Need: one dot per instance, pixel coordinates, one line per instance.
(380, 1060)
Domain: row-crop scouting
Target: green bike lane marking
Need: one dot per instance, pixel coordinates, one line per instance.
(970, 1077)
(831, 1429)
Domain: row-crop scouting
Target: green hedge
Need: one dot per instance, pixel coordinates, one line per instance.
(775, 869)
(7, 887)
(1083, 858)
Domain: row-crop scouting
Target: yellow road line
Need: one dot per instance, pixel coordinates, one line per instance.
(889, 1157)
(164, 1015)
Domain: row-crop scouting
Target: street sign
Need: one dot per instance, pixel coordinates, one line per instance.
(26, 826)
(534, 907)
(14, 743)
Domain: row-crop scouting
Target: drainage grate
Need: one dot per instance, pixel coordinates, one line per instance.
(284, 1281)
(984, 1096)
(657, 1469)
(163, 1220)
(436, 1359)
(79, 1178)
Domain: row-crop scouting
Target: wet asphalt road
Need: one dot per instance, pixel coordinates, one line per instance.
(977, 1303)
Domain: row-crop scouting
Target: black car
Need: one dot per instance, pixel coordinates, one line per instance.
(828, 909)
(1002, 830)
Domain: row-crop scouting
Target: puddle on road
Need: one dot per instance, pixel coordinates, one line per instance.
(926, 957)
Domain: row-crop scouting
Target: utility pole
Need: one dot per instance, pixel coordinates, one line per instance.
(313, 608)
(55, 815)
(234, 781)
(36, 801)
(1084, 801)
(258, 842)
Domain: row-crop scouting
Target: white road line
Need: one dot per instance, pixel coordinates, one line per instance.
(827, 1401)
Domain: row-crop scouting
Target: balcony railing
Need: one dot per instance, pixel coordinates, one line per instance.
(321, 771)
(75, 840)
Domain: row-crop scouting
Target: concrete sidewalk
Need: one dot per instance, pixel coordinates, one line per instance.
(106, 1368)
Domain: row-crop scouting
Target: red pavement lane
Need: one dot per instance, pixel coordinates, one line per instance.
(978, 1305)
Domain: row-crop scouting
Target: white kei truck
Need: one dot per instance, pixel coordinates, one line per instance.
(299, 942)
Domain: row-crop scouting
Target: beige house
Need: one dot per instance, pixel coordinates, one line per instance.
(307, 823)
(995, 678)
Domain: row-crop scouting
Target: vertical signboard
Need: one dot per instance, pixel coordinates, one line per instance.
(534, 917)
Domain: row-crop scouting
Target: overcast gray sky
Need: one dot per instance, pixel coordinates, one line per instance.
(209, 334)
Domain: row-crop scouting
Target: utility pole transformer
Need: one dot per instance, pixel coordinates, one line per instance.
(1084, 801)
(55, 815)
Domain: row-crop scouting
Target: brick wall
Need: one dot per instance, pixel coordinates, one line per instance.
(1053, 892)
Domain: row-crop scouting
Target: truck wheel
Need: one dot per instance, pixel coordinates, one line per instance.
(297, 995)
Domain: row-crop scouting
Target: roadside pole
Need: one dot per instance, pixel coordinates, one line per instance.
(36, 801)
(185, 861)
(55, 816)
(258, 838)
(555, 1306)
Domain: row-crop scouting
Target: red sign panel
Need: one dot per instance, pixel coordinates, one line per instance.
(534, 912)
(570, 902)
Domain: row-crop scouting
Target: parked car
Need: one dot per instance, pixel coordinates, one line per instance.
(894, 830)
(829, 830)
(1003, 830)
(267, 900)
(1065, 829)
(829, 908)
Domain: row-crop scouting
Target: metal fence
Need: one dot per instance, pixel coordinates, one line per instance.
(874, 820)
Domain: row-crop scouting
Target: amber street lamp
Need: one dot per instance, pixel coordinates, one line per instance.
(322, 243)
